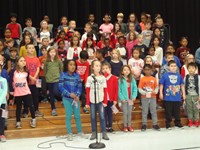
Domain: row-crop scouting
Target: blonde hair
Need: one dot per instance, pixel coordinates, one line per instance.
(186, 59)
(118, 53)
(41, 25)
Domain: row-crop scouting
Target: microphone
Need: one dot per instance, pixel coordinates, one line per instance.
(93, 76)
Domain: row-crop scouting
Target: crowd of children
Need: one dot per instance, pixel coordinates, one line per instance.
(107, 67)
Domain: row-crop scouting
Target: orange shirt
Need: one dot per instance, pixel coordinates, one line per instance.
(42, 60)
(148, 84)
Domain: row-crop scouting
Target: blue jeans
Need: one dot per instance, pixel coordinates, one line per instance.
(100, 109)
(53, 91)
(69, 109)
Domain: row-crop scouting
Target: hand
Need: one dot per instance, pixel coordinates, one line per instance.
(76, 98)
(161, 96)
(72, 95)
(104, 105)
(87, 106)
(133, 100)
(115, 103)
(123, 101)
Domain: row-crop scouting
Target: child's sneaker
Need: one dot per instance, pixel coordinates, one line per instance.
(196, 123)
(168, 127)
(104, 136)
(179, 125)
(85, 110)
(130, 129)
(38, 114)
(18, 125)
(24, 115)
(190, 123)
(156, 127)
(82, 135)
(70, 137)
(2, 138)
(158, 107)
(54, 112)
(144, 127)
(93, 136)
(45, 100)
(125, 129)
(110, 130)
(33, 123)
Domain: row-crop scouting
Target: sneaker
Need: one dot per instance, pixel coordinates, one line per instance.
(144, 127)
(130, 129)
(33, 123)
(18, 125)
(125, 129)
(70, 137)
(24, 115)
(110, 130)
(38, 114)
(93, 136)
(158, 107)
(168, 127)
(45, 100)
(196, 123)
(82, 135)
(190, 123)
(179, 125)
(55, 100)
(2, 138)
(104, 136)
(156, 127)
(85, 110)
(54, 112)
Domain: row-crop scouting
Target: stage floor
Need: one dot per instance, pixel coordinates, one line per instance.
(175, 139)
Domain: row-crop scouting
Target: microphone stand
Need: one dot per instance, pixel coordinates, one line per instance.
(97, 144)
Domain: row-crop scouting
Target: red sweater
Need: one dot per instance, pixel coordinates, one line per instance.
(112, 88)
(15, 29)
(83, 70)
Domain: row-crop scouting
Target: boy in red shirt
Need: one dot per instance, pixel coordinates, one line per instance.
(83, 71)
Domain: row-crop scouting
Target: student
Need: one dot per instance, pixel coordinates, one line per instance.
(141, 46)
(127, 94)
(91, 20)
(20, 90)
(171, 86)
(147, 34)
(62, 52)
(13, 56)
(52, 70)
(116, 63)
(100, 55)
(70, 87)
(83, 68)
(106, 27)
(120, 17)
(90, 49)
(101, 98)
(192, 84)
(88, 28)
(148, 88)
(63, 26)
(72, 26)
(74, 49)
(131, 42)
(112, 87)
(122, 49)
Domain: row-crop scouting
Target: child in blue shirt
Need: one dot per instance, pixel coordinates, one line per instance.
(171, 86)
(70, 86)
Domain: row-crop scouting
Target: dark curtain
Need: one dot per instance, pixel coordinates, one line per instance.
(183, 16)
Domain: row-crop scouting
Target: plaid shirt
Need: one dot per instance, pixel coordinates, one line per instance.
(70, 84)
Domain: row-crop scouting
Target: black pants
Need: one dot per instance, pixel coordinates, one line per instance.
(172, 109)
(83, 95)
(28, 103)
(108, 114)
(2, 120)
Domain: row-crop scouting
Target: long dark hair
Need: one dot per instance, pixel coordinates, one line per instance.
(65, 65)
(130, 77)
(17, 68)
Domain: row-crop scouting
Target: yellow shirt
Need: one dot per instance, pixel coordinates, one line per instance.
(23, 52)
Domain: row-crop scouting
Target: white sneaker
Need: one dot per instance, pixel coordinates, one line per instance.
(82, 135)
(33, 123)
(70, 137)
(18, 125)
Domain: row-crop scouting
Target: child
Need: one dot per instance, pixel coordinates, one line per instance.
(8, 45)
(107, 48)
(95, 28)
(62, 52)
(147, 34)
(74, 49)
(127, 95)
(50, 25)
(153, 56)
(83, 70)
(20, 90)
(100, 55)
(62, 36)
(112, 87)
(7, 34)
(13, 56)
(131, 42)
(158, 50)
(70, 87)
(116, 28)
(88, 28)
(136, 64)
(144, 18)
(101, 98)
(133, 20)
(148, 88)
(171, 86)
(183, 50)
(131, 27)
(3, 102)
(90, 48)
(52, 71)
(122, 50)
(42, 60)
(141, 46)
(3, 72)
(189, 59)
(192, 83)
(33, 66)
(116, 63)
(72, 26)
(16, 29)
(123, 26)
(106, 27)
(63, 26)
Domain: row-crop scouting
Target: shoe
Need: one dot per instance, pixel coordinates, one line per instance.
(190, 123)
(18, 125)
(2, 138)
(144, 127)
(104, 136)
(130, 129)
(33, 123)
(55, 100)
(125, 129)
(54, 112)
(82, 135)
(45, 100)
(156, 127)
(179, 125)
(158, 107)
(70, 137)
(168, 127)
(93, 136)
(196, 123)
(85, 110)
(24, 115)
(38, 114)
(110, 130)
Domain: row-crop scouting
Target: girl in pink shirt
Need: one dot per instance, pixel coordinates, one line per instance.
(131, 42)
(106, 27)
(20, 90)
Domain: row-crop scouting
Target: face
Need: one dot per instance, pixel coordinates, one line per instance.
(136, 54)
(91, 18)
(27, 39)
(62, 44)
(148, 26)
(191, 69)
(147, 71)
(1, 46)
(46, 18)
(107, 19)
(143, 18)
(7, 33)
(117, 27)
(72, 24)
(169, 57)
(75, 41)
(131, 27)
(151, 51)
(45, 42)
(172, 67)
(30, 49)
(44, 25)
(120, 19)
(131, 36)
(87, 28)
(62, 35)
(190, 58)
(157, 32)
(132, 18)
(22, 62)
(159, 22)
(170, 49)
(148, 61)
(106, 70)
(115, 54)
(121, 41)
(10, 44)
(107, 43)
(89, 42)
(119, 34)
(184, 42)
(140, 39)
(29, 23)
(64, 20)
(126, 71)
(13, 19)
(44, 51)
(96, 67)
(76, 33)
(156, 41)
(71, 66)
(52, 53)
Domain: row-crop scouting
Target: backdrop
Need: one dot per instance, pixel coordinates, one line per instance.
(183, 16)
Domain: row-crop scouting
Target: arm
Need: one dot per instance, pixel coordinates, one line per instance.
(9, 66)
(20, 32)
(11, 81)
(116, 91)
(105, 99)
(141, 91)
(88, 96)
(183, 72)
(183, 91)
(120, 93)
(161, 91)
(79, 87)
(133, 89)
